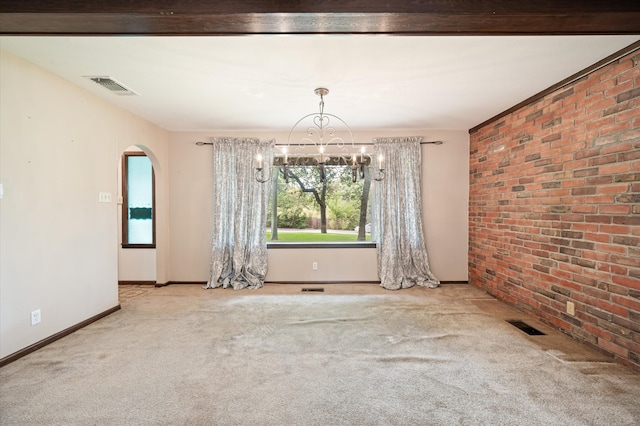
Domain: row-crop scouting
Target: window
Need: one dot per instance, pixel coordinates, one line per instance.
(306, 209)
(138, 201)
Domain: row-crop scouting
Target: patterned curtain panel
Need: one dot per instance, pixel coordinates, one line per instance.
(402, 254)
(239, 248)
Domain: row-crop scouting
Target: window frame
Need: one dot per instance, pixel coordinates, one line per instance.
(318, 245)
(125, 209)
(309, 160)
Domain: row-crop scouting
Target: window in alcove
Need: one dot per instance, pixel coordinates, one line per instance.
(138, 201)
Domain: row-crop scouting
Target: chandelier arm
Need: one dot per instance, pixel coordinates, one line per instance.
(346, 126)
(380, 175)
(321, 124)
(317, 128)
(305, 139)
(293, 129)
(261, 176)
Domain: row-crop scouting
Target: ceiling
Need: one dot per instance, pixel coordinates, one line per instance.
(267, 82)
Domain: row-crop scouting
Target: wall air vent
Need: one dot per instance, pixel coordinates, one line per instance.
(112, 85)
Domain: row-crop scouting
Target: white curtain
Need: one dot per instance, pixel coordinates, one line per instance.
(239, 245)
(402, 254)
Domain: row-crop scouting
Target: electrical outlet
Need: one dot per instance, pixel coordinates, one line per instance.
(314, 266)
(35, 317)
(571, 308)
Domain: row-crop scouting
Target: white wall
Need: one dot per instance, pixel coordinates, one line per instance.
(445, 175)
(59, 147)
(445, 203)
(137, 264)
(341, 265)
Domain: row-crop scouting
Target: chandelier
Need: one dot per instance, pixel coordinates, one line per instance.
(323, 140)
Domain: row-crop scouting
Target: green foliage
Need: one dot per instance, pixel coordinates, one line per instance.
(343, 200)
(291, 209)
(297, 209)
(344, 214)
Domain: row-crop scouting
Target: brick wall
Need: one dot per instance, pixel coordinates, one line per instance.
(554, 212)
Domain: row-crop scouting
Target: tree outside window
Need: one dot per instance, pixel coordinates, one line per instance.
(305, 208)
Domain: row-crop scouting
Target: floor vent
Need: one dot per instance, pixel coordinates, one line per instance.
(526, 328)
(319, 290)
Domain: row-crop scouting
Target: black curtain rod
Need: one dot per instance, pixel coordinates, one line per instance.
(309, 144)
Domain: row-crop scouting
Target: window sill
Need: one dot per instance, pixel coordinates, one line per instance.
(138, 246)
(316, 245)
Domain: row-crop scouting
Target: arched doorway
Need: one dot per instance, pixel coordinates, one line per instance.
(137, 226)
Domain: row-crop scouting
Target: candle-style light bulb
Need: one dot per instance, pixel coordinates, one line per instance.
(284, 151)
(259, 158)
(322, 154)
(380, 159)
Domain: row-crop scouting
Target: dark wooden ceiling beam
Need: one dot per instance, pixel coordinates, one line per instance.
(228, 17)
(457, 7)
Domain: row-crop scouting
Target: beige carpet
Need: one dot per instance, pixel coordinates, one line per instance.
(353, 355)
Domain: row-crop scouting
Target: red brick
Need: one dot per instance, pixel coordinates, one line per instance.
(611, 248)
(614, 309)
(555, 320)
(618, 270)
(618, 147)
(627, 281)
(606, 85)
(592, 236)
(599, 105)
(585, 299)
(615, 169)
(615, 229)
(597, 124)
(596, 275)
(584, 209)
(630, 94)
(596, 331)
(604, 139)
(598, 257)
(629, 116)
(633, 260)
(626, 342)
(613, 189)
(626, 301)
(619, 88)
(612, 347)
(615, 128)
(600, 199)
(575, 220)
(613, 72)
(615, 209)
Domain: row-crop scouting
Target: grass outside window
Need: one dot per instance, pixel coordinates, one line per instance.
(316, 236)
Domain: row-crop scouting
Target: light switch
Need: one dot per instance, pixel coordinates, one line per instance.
(104, 197)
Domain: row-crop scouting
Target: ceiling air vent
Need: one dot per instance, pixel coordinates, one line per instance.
(112, 85)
